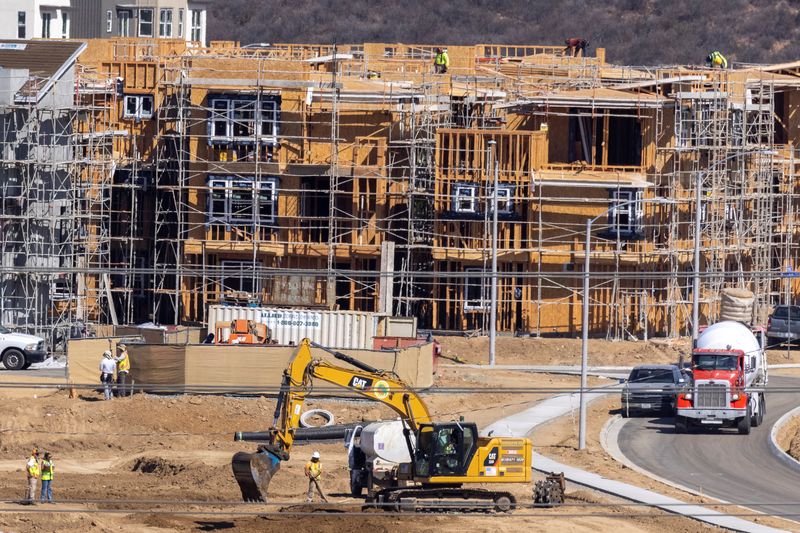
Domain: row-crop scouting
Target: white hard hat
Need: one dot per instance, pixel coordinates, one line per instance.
(315, 455)
(107, 353)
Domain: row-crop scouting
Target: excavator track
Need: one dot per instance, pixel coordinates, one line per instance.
(421, 500)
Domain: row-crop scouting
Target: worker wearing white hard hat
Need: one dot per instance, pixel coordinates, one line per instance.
(313, 472)
(107, 368)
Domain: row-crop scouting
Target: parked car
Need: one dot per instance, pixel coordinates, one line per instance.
(19, 351)
(652, 388)
(783, 325)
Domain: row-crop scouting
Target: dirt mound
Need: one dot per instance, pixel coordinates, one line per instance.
(794, 447)
(158, 466)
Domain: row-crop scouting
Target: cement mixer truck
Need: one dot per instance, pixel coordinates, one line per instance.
(728, 368)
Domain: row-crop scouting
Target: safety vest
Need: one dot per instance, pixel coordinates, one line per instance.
(314, 469)
(124, 364)
(47, 470)
(718, 59)
(33, 467)
(442, 59)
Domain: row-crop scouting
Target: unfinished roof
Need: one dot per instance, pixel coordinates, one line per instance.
(596, 97)
(45, 60)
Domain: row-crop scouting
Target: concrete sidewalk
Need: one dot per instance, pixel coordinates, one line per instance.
(521, 424)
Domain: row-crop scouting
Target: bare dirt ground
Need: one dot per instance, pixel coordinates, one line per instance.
(563, 351)
(156, 453)
(789, 437)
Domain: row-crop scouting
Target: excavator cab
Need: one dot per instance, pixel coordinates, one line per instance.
(444, 449)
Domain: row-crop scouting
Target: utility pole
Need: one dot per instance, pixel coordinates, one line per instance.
(493, 304)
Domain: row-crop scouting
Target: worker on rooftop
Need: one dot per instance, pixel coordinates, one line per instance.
(575, 46)
(716, 60)
(442, 61)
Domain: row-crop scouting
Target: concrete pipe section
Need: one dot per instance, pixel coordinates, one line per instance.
(721, 463)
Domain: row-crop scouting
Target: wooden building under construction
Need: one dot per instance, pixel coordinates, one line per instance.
(354, 177)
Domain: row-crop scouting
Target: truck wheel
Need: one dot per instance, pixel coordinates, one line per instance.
(356, 487)
(680, 425)
(743, 426)
(14, 359)
(755, 420)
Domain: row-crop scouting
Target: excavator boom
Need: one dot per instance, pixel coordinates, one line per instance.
(254, 471)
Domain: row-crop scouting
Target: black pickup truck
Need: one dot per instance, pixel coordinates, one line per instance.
(783, 325)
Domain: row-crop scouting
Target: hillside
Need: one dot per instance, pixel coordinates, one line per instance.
(636, 32)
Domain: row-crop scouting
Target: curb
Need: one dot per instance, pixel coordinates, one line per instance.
(787, 459)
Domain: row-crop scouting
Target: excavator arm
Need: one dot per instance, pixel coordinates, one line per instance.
(253, 472)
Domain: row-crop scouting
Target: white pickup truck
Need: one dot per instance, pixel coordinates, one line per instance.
(18, 351)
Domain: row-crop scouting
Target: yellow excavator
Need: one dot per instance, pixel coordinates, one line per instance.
(446, 457)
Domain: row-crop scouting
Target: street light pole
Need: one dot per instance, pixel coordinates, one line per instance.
(585, 314)
(493, 304)
(585, 337)
(696, 279)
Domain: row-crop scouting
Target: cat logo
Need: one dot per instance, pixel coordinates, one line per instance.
(360, 383)
(491, 459)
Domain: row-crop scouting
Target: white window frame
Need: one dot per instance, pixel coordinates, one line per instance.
(165, 23)
(633, 211)
(124, 17)
(142, 22)
(229, 116)
(47, 23)
(22, 21)
(196, 26)
(229, 185)
(270, 185)
(64, 24)
(180, 22)
(469, 304)
(139, 100)
(505, 199)
(109, 21)
(464, 192)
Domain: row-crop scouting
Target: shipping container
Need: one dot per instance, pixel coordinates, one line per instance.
(334, 329)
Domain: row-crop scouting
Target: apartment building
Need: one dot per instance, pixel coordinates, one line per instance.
(35, 19)
(147, 19)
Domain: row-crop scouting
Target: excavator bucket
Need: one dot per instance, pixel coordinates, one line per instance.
(253, 472)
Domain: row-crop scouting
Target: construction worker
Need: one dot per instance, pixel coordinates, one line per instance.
(716, 60)
(48, 467)
(107, 368)
(123, 370)
(575, 46)
(313, 473)
(32, 472)
(442, 61)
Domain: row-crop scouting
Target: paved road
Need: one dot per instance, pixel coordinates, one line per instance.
(34, 372)
(720, 463)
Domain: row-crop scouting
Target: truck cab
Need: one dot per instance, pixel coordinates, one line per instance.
(717, 395)
(19, 350)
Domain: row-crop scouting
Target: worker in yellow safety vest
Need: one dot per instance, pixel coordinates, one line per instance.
(123, 370)
(716, 60)
(48, 467)
(313, 473)
(32, 471)
(442, 61)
